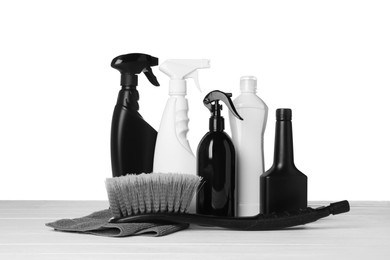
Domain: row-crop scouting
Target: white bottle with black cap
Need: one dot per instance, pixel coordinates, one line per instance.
(247, 136)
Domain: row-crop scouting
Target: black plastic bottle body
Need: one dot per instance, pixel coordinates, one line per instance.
(132, 138)
(283, 187)
(216, 164)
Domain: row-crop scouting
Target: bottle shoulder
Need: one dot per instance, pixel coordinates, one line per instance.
(249, 100)
(130, 119)
(283, 171)
(215, 138)
(215, 143)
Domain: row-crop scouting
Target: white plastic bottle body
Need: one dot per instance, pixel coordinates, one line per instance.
(172, 152)
(247, 136)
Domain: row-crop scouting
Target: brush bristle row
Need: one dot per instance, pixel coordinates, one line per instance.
(151, 193)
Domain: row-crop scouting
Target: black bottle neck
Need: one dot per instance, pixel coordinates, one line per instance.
(128, 97)
(284, 152)
(129, 79)
(216, 122)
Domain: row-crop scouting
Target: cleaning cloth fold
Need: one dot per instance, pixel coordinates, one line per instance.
(97, 223)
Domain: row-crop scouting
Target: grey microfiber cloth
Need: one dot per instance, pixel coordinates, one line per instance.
(97, 223)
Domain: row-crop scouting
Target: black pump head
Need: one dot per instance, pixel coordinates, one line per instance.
(129, 65)
(211, 101)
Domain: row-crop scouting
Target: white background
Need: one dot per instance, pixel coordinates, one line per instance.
(327, 60)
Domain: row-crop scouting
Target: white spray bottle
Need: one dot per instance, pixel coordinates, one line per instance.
(247, 138)
(173, 153)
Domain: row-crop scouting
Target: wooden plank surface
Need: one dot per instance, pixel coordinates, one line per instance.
(362, 233)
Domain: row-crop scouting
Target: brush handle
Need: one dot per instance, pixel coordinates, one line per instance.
(259, 222)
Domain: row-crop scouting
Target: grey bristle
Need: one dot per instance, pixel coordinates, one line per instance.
(151, 193)
(133, 194)
(112, 198)
(156, 192)
(171, 192)
(164, 187)
(125, 189)
(148, 193)
(179, 191)
(119, 198)
(139, 183)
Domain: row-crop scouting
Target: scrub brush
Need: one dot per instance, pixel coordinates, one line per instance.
(165, 198)
(151, 193)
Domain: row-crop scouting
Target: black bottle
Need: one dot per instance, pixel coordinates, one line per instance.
(283, 187)
(216, 162)
(132, 138)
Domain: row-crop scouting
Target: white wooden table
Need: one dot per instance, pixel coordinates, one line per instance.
(363, 233)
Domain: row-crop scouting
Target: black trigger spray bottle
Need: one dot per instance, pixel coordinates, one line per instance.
(132, 138)
(216, 161)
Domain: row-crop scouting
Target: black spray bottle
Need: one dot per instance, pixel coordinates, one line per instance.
(283, 187)
(132, 138)
(216, 162)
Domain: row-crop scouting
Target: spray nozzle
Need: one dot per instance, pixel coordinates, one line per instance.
(179, 70)
(129, 65)
(211, 101)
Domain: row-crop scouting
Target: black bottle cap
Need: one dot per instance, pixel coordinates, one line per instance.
(129, 65)
(283, 114)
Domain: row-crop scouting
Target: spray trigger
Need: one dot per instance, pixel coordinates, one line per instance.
(194, 76)
(150, 76)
